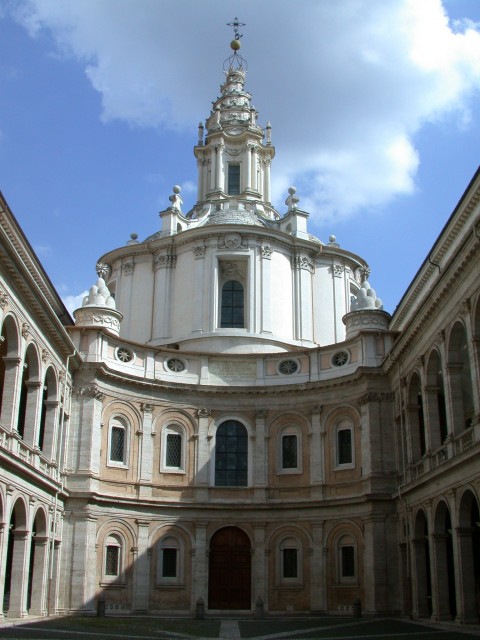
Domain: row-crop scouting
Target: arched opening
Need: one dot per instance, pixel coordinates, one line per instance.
(8, 368)
(416, 418)
(37, 578)
(47, 429)
(17, 565)
(422, 567)
(446, 604)
(469, 556)
(29, 390)
(435, 401)
(229, 578)
(460, 379)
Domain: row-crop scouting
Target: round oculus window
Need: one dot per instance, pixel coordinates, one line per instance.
(340, 358)
(123, 354)
(176, 365)
(287, 367)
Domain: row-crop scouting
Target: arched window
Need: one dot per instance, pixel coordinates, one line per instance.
(344, 455)
(346, 559)
(290, 556)
(173, 449)
(232, 310)
(113, 558)
(231, 455)
(117, 442)
(460, 379)
(169, 568)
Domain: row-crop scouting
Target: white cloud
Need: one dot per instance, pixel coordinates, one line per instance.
(74, 302)
(346, 85)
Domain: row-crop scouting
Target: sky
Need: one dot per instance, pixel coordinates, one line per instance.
(374, 107)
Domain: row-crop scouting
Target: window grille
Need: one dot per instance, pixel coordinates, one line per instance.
(112, 557)
(169, 563)
(290, 568)
(289, 452)
(174, 450)
(232, 312)
(344, 443)
(234, 179)
(231, 455)
(117, 444)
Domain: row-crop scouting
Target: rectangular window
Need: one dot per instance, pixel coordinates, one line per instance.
(344, 446)
(117, 444)
(169, 563)
(234, 179)
(290, 569)
(112, 557)
(289, 452)
(174, 450)
(348, 562)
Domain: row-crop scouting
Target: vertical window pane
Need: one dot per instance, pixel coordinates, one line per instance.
(344, 437)
(112, 557)
(289, 452)
(117, 444)
(231, 455)
(234, 179)
(232, 312)
(174, 450)
(290, 563)
(169, 563)
(348, 562)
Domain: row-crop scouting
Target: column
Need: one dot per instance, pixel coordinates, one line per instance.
(260, 568)
(141, 569)
(32, 412)
(254, 162)
(440, 602)
(51, 429)
(303, 268)
(38, 605)
(202, 456)
(464, 576)
(375, 565)
(266, 195)
(84, 563)
(53, 578)
(266, 289)
(11, 392)
(317, 569)
(248, 168)
(145, 453)
(164, 265)
(259, 458)
(19, 582)
(200, 557)
(198, 323)
(473, 359)
(317, 455)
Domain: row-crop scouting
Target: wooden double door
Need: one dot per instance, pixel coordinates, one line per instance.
(230, 570)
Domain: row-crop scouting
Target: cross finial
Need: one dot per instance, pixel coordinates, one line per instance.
(235, 24)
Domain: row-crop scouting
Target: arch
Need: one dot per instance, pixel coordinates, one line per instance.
(47, 428)
(118, 441)
(17, 564)
(229, 578)
(460, 378)
(173, 448)
(38, 572)
(231, 454)
(423, 583)
(344, 565)
(444, 578)
(30, 389)
(9, 355)
(416, 420)
(435, 400)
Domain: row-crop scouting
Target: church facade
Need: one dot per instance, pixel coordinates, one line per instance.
(233, 421)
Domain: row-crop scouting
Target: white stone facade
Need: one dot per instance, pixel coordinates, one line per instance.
(233, 428)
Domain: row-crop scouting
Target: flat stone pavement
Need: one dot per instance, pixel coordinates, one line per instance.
(149, 628)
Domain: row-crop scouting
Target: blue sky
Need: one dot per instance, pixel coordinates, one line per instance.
(374, 108)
